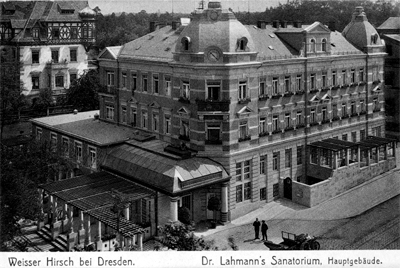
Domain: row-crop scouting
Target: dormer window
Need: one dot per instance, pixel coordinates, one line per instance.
(323, 45)
(35, 32)
(374, 38)
(67, 11)
(242, 43)
(185, 43)
(312, 45)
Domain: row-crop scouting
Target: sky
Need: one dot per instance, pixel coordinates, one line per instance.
(177, 6)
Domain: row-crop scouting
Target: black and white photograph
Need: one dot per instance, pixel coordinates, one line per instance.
(194, 133)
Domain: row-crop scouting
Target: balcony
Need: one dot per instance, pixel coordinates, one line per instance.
(110, 90)
(212, 105)
(263, 97)
(335, 118)
(62, 64)
(263, 134)
(276, 96)
(276, 131)
(244, 101)
(184, 100)
(315, 90)
(289, 128)
(184, 138)
(299, 92)
(288, 94)
(376, 82)
(324, 89)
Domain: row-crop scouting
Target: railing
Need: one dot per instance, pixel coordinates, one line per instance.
(263, 97)
(245, 138)
(263, 134)
(244, 101)
(211, 105)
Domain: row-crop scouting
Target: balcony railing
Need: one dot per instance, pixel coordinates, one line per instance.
(108, 90)
(184, 138)
(184, 99)
(276, 131)
(263, 97)
(245, 138)
(212, 106)
(263, 134)
(244, 101)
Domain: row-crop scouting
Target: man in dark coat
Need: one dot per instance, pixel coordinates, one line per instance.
(264, 228)
(256, 225)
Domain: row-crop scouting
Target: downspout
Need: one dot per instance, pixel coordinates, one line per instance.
(305, 110)
(117, 92)
(366, 96)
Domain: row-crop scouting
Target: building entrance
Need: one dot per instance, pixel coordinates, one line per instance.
(287, 188)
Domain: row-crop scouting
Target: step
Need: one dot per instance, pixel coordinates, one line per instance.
(59, 244)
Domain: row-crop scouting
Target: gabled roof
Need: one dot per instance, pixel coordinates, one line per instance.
(392, 23)
(110, 53)
(316, 27)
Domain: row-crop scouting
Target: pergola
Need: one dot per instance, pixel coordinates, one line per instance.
(95, 196)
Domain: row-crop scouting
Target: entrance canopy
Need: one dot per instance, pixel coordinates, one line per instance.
(93, 194)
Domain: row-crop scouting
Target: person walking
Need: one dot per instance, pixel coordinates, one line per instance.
(264, 228)
(256, 225)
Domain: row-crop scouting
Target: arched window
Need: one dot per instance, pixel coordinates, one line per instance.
(312, 45)
(185, 43)
(242, 43)
(324, 45)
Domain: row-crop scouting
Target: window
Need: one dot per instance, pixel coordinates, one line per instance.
(239, 194)
(78, 151)
(155, 122)
(344, 137)
(324, 80)
(299, 120)
(213, 133)
(312, 81)
(155, 83)
(263, 164)
(262, 91)
(354, 136)
(167, 124)
(65, 147)
(324, 114)
(186, 201)
(243, 130)
(109, 112)
(313, 155)
(59, 81)
(110, 79)
(288, 158)
(353, 108)
(35, 56)
(262, 126)
(133, 116)
(73, 55)
(287, 84)
(263, 193)
(312, 45)
(243, 171)
(144, 119)
(287, 120)
(242, 90)
(185, 90)
(361, 75)
(35, 82)
(92, 157)
(275, 161)
(185, 129)
(53, 142)
(144, 82)
(39, 134)
(362, 106)
(275, 123)
(275, 190)
(134, 82)
(247, 191)
(344, 110)
(213, 89)
(123, 80)
(168, 85)
(298, 82)
(334, 111)
(73, 32)
(375, 104)
(299, 154)
(324, 45)
(185, 43)
(312, 116)
(55, 33)
(275, 86)
(54, 56)
(343, 77)
(334, 78)
(353, 75)
(35, 33)
(362, 134)
(124, 115)
(72, 78)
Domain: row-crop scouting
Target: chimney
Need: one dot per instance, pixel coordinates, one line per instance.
(75, 111)
(96, 116)
(284, 24)
(297, 24)
(152, 26)
(332, 26)
(214, 5)
(261, 24)
(175, 25)
(275, 24)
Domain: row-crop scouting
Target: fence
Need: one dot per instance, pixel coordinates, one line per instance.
(25, 115)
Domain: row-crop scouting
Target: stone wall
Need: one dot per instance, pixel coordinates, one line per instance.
(342, 180)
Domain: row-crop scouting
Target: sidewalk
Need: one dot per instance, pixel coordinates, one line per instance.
(348, 204)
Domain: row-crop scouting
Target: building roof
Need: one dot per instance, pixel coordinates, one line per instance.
(65, 118)
(95, 195)
(110, 52)
(393, 37)
(392, 23)
(339, 44)
(149, 165)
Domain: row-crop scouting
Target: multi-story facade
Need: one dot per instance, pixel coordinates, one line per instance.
(250, 98)
(51, 39)
(390, 32)
(243, 113)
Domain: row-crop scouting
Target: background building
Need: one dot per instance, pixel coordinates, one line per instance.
(51, 38)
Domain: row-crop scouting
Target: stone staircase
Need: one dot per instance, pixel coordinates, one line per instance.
(60, 243)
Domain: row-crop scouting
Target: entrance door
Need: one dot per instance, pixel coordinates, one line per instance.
(287, 188)
(210, 213)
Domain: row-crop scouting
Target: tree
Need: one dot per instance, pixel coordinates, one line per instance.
(179, 236)
(184, 215)
(214, 204)
(11, 86)
(22, 170)
(83, 93)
